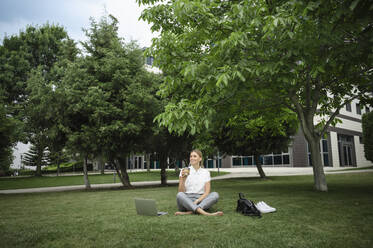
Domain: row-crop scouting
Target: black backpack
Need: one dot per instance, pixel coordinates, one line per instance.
(247, 207)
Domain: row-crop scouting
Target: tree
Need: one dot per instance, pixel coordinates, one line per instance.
(169, 148)
(26, 79)
(109, 96)
(42, 112)
(82, 98)
(311, 57)
(45, 110)
(256, 133)
(368, 135)
(36, 46)
(37, 156)
(8, 136)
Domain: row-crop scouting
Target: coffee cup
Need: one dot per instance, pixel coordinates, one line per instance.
(186, 172)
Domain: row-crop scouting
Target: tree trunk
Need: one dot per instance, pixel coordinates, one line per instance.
(85, 174)
(306, 116)
(147, 158)
(122, 172)
(101, 164)
(38, 170)
(163, 164)
(318, 168)
(58, 165)
(38, 164)
(259, 166)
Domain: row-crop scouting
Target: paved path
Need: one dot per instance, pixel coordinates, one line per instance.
(234, 173)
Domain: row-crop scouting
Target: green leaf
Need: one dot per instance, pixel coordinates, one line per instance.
(222, 79)
(354, 4)
(275, 22)
(241, 76)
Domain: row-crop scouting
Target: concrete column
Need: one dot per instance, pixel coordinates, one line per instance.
(334, 150)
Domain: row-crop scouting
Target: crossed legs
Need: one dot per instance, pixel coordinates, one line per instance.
(185, 203)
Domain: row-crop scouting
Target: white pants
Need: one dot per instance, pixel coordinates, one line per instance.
(185, 202)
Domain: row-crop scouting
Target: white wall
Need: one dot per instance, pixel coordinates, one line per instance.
(17, 151)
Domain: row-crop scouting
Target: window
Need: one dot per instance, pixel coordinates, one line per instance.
(324, 145)
(348, 107)
(324, 151)
(149, 60)
(210, 163)
(277, 159)
(326, 159)
(236, 161)
(268, 160)
(247, 161)
(286, 159)
(358, 109)
(260, 159)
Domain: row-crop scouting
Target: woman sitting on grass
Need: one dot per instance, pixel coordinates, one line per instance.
(194, 189)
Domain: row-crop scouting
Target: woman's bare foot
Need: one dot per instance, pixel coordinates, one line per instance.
(203, 212)
(184, 213)
(219, 213)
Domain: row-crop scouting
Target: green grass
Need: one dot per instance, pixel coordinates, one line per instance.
(343, 217)
(49, 181)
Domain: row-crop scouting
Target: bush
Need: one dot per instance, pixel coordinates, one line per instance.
(67, 167)
(368, 135)
(21, 172)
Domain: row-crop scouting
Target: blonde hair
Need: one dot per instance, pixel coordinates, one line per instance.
(199, 153)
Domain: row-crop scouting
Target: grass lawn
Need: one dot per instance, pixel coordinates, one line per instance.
(343, 217)
(52, 181)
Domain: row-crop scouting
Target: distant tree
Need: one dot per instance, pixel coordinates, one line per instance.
(8, 137)
(43, 111)
(169, 148)
(37, 156)
(256, 134)
(82, 98)
(108, 96)
(58, 156)
(368, 135)
(36, 46)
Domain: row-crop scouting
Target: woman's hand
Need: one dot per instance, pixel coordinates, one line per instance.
(185, 172)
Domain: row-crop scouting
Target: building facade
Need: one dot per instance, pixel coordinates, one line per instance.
(341, 147)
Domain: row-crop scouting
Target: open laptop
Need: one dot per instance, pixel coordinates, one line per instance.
(147, 207)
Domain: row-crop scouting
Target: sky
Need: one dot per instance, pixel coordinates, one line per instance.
(74, 15)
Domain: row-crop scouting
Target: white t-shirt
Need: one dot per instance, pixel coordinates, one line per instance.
(195, 182)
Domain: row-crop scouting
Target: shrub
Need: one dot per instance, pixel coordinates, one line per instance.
(67, 167)
(368, 135)
(21, 172)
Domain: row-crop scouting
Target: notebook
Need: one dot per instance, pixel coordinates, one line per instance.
(147, 207)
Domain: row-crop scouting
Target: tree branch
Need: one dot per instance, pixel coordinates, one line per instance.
(336, 112)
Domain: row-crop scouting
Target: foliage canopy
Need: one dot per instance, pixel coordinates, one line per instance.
(311, 57)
